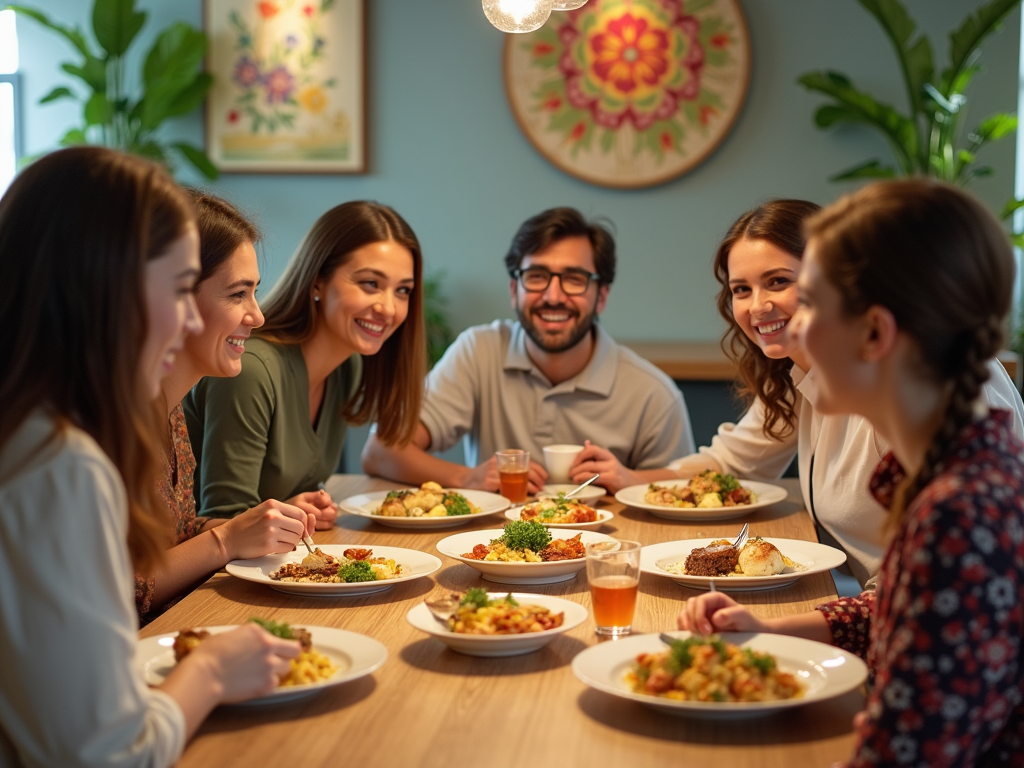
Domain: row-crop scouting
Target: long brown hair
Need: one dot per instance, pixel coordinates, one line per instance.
(222, 229)
(779, 222)
(77, 228)
(392, 385)
(939, 261)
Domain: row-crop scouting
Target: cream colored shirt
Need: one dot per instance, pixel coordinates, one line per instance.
(486, 386)
(845, 450)
(70, 693)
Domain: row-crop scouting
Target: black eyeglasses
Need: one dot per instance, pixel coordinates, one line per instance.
(573, 281)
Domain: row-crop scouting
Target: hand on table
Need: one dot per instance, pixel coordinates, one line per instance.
(270, 528)
(319, 504)
(594, 460)
(716, 612)
(246, 661)
(484, 477)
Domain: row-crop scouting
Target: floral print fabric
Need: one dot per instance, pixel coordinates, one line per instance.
(176, 492)
(943, 632)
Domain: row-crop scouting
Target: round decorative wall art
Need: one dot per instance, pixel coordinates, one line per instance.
(630, 93)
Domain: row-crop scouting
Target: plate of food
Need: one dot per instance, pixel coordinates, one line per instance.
(759, 564)
(483, 623)
(708, 495)
(523, 552)
(726, 676)
(336, 570)
(329, 657)
(552, 490)
(560, 512)
(428, 507)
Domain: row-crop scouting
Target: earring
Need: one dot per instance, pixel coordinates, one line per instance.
(316, 298)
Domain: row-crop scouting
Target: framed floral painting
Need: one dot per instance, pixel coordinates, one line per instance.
(630, 93)
(289, 86)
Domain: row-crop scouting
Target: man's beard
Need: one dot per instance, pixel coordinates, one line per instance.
(561, 342)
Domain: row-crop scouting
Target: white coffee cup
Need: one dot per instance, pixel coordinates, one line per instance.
(558, 459)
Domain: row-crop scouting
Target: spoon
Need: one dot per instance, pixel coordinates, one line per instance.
(576, 490)
(443, 608)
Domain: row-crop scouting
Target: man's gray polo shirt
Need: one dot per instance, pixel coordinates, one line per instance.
(486, 386)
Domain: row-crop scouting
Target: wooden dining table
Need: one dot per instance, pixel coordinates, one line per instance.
(430, 706)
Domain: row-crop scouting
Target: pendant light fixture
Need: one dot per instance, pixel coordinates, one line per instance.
(518, 15)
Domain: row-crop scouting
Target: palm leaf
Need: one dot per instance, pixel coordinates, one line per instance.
(964, 41)
(853, 105)
(915, 57)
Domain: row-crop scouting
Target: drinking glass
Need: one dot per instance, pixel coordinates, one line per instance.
(514, 474)
(613, 571)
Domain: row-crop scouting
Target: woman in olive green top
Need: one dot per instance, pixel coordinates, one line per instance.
(343, 342)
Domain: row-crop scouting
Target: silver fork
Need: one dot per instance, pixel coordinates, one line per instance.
(742, 538)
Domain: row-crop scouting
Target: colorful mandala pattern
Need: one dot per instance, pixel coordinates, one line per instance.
(629, 93)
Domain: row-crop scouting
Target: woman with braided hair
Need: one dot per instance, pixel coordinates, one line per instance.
(904, 289)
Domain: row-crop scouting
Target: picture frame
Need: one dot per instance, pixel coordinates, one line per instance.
(289, 86)
(630, 93)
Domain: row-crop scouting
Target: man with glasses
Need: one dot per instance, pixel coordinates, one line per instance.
(553, 376)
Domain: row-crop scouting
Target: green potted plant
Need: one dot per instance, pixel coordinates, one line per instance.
(928, 139)
(171, 83)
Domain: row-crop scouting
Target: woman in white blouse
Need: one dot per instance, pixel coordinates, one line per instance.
(757, 265)
(99, 252)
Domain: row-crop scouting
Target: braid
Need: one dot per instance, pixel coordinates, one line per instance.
(972, 373)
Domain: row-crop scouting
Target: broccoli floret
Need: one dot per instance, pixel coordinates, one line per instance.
(727, 483)
(525, 534)
(761, 661)
(475, 596)
(456, 504)
(359, 570)
(277, 628)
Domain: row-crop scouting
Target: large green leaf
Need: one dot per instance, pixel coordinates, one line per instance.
(915, 57)
(72, 34)
(964, 41)
(93, 72)
(856, 106)
(1010, 208)
(170, 72)
(98, 110)
(191, 96)
(873, 169)
(199, 159)
(115, 23)
(175, 56)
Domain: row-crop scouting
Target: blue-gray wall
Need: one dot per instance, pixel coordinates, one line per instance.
(446, 152)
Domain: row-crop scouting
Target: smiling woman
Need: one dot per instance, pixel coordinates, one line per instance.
(343, 342)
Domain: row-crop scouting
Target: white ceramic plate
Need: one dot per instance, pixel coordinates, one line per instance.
(815, 558)
(418, 563)
(590, 492)
(517, 573)
(603, 516)
(633, 496)
(825, 671)
(364, 505)
(353, 654)
(502, 645)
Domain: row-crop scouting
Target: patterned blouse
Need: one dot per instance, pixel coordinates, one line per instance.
(176, 491)
(944, 632)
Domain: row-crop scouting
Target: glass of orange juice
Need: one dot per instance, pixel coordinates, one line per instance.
(613, 571)
(514, 474)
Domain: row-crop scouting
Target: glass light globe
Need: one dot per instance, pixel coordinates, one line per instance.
(568, 5)
(517, 15)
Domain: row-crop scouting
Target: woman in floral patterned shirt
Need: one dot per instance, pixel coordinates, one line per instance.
(905, 287)
(226, 296)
